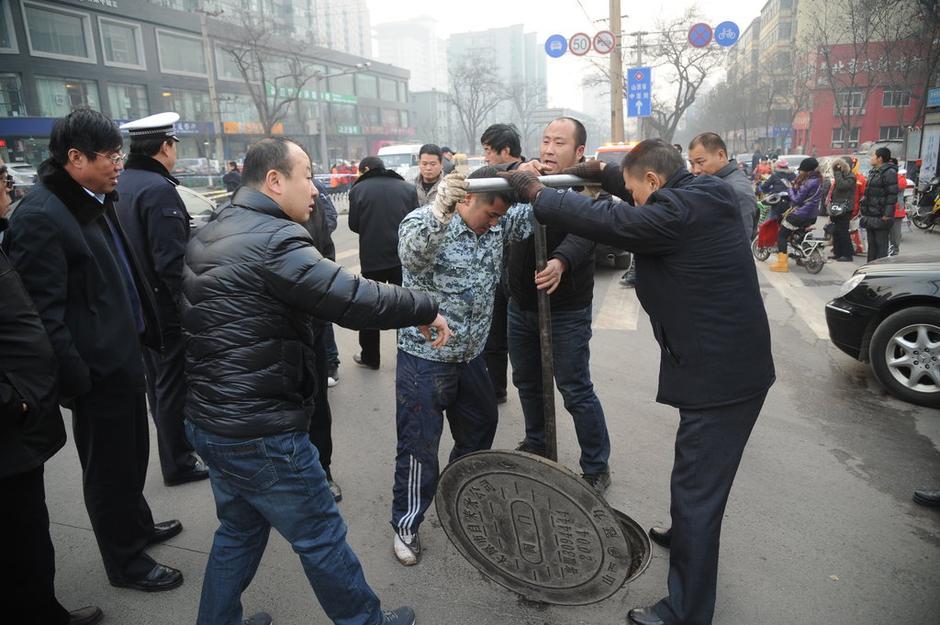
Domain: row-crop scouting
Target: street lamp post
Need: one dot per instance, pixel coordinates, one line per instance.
(321, 110)
(204, 14)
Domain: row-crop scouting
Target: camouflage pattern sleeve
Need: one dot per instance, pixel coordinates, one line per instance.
(518, 223)
(419, 239)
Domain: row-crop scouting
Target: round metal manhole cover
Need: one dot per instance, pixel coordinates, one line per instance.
(537, 528)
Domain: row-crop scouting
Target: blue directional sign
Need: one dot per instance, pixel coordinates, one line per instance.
(556, 46)
(727, 34)
(639, 92)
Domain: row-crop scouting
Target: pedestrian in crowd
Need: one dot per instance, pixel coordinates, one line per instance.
(756, 158)
(32, 432)
(448, 156)
(763, 170)
(330, 219)
(569, 279)
(894, 235)
(453, 250)
(320, 226)
(877, 205)
(843, 196)
(805, 202)
(232, 179)
(704, 302)
(708, 154)
(855, 228)
(430, 173)
(64, 234)
(502, 148)
(779, 184)
(154, 217)
(378, 201)
(251, 284)
(6, 183)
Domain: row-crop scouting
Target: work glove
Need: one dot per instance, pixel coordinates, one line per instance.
(589, 170)
(524, 184)
(451, 191)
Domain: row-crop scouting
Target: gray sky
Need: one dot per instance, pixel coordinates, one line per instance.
(564, 17)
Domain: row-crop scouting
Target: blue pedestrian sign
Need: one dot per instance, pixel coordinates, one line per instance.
(556, 46)
(727, 34)
(639, 92)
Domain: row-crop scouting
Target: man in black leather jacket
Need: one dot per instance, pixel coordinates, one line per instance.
(251, 283)
(877, 205)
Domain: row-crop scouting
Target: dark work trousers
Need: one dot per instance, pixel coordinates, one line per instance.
(28, 595)
(496, 350)
(425, 390)
(709, 446)
(369, 339)
(113, 442)
(841, 241)
(166, 391)
(321, 419)
(877, 242)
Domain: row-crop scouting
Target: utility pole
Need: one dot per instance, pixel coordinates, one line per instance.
(210, 69)
(616, 76)
(639, 63)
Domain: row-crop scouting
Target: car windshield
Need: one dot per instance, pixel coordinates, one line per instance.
(397, 160)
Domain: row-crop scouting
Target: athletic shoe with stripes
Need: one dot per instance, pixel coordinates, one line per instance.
(401, 616)
(407, 548)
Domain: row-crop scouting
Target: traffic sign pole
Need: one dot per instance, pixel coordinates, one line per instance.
(616, 76)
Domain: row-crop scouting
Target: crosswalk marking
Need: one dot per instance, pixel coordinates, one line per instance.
(620, 309)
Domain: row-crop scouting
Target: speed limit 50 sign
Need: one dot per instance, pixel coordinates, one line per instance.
(579, 44)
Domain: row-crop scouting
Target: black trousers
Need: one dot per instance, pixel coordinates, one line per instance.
(877, 242)
(369, 339)
(321, 418)
(841, 241)
(28, 595)
(784, 234)
(496, 350)
(709, 446)
(113, 442)
(166, 391)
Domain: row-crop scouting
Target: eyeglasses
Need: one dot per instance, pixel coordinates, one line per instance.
(116, 159)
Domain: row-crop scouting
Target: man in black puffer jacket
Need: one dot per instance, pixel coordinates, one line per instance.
(252, 281)
(877, 206)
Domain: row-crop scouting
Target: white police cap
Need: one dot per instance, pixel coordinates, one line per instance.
(153, 126)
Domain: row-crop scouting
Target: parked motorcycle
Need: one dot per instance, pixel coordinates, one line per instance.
(924, 211)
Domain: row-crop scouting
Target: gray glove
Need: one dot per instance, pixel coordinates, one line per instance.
(452, 191)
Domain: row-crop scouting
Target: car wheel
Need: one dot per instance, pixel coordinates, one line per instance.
(905, 355)
(760, 253)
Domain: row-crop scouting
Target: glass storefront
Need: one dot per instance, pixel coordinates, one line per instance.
(60, 96)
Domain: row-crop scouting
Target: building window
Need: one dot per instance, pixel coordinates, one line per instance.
(785, 30)
(227, 68)
(128, 101)
(388, 90)
(838, 138)
(390, 118)
(403, 118)
(403, 92)
(369, 116)
(192, 106)
(343, 114)
(60, 96)
(181, 54)
(367, 86)
(121, 44)
(7, 34)
(786, 4)
(851, 99)
(342, 85)
(896, 98)
(11, 96)
(891, 133)
(58, 33)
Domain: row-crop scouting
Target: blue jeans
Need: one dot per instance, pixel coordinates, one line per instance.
(571, 338)
(276, 481)
(425, 389)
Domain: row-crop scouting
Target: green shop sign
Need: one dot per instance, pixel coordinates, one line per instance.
(309, 94)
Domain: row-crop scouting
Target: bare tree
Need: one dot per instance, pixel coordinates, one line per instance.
(275, 79)
(525, 98)
(475, 90)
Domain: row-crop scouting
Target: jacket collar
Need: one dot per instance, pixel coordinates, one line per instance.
(255, 200)
(727, 170)
(375, 173)
(148, 163)
(85, 208)
(679, 179)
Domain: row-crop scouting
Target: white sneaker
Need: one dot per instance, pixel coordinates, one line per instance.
(407, 550)
(331, 381)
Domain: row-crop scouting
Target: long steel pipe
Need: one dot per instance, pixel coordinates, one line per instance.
(555, 180)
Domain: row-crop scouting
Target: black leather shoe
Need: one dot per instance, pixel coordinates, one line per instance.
(199, 472)
(644, 616)
(85, 616)
(662, 536)
(165, 530)
(159, 578)
(930, 498)
(357, 358)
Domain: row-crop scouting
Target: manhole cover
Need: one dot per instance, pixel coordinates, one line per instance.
(537, 528)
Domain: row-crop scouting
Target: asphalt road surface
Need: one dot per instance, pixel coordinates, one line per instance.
(820, 528)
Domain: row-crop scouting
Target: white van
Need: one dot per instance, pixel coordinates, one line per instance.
(402, 159)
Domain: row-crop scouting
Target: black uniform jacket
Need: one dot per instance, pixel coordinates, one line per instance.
(695, 277)
(27, 376)
(881, 194)
(378, 201)
(157, 226)
(251, 281)
(63, 250)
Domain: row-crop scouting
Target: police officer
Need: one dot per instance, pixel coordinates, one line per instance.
(157, 226)
(701, 292)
